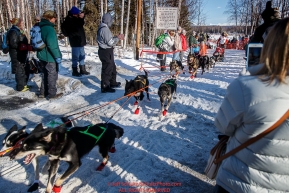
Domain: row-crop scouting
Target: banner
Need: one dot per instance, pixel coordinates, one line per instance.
(167, 18)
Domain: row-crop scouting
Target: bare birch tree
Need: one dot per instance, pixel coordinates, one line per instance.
(101, 8)
(233, 10)
(179, 10)
(1, 15)
(17, 8)
(105, 6)
(127, 24)
(121, 20)
(8, 5)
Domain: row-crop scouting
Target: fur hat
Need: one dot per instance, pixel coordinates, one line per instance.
(74, 11)
(14, 21)
(268, 12)
(49, 14)
(171, 32)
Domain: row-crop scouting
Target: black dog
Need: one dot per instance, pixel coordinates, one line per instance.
(14, 136)
(204, 62)
(67, 145)
(166, 92)
(137, 85)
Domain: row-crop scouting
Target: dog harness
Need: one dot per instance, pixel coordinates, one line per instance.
(170, 82)
(97, 138)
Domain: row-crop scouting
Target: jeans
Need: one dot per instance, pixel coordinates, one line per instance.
(78, 55)
(182, 53)
(195, 50)
(176, 56)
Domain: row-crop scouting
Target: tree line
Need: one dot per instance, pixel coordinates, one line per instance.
(244, 13)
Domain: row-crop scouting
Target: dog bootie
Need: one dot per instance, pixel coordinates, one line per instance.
(192, 77)
(112, 149)
(56, 189)
(100, 167)
(164, 112)
(136, 111)
(135, 103)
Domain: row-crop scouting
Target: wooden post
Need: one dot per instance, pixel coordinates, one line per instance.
(138, 29)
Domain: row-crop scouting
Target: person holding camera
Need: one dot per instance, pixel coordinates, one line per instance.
(74, 23)
(106, 43)
(252, 104)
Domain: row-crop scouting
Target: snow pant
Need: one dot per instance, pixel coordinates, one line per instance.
(21, 75)
(219, 189)
(78, 55)
(108, 70)
(176, 56)
(163, 62)
(49, 78)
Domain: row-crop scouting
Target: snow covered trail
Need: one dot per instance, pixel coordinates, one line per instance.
(168, 152)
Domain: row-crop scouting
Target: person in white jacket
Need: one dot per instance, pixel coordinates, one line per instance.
(166, 46)
(252, 104)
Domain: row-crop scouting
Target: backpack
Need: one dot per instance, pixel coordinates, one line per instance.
(1, 41)
(160, 39)
(5, 42)
(64, 30)
(36, 40)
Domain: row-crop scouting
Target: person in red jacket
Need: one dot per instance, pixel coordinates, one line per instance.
(184, 44)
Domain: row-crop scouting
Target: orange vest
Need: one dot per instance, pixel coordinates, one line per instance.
(203, 49)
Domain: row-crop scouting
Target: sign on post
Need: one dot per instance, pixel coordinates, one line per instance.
(167, 18)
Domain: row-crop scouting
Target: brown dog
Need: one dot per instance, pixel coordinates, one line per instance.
(193, 63)
(174, 66)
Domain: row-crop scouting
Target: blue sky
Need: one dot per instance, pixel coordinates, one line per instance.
(214, 10)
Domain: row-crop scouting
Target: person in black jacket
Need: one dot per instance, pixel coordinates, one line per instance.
(18, 51)
(74, 26)
(270, 17)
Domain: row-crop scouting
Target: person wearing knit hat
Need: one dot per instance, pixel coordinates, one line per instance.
(270, 17)
(74, 11)
(74, 23)
(178, 47)
(18, 52)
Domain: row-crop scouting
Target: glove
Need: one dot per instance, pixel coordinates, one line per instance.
(58, 63)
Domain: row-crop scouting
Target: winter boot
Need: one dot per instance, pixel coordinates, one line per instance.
(106, 88)
(75, 72)
(115, 85)
(83, 70)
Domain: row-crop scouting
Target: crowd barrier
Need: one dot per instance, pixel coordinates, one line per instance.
(238, 45)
